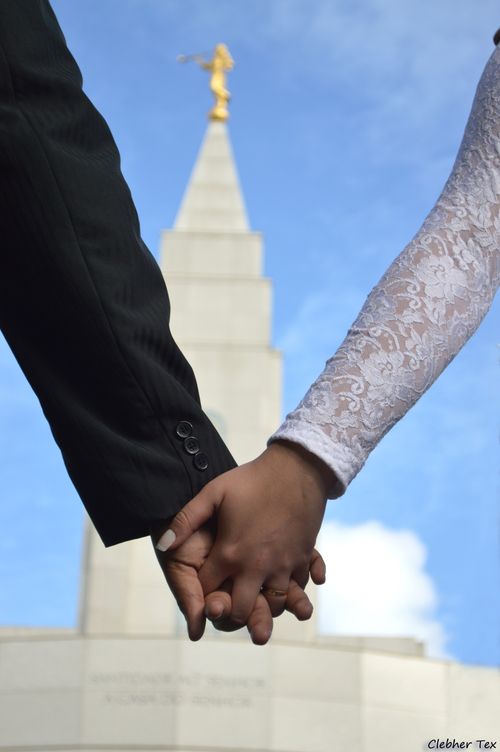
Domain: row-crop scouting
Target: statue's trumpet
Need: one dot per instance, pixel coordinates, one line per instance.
(187, 58)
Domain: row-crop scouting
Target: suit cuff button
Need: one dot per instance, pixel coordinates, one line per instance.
(200, 461)
(184, 429)
(191, 445)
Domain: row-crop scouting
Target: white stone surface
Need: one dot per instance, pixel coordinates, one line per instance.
(385, 683)
(227, 694)
(40, 719)
(213, 199)
(374, 643)
(211, 310)
(331, 675)
(30, 665)
(211, 254)
(315, 726)
(472, 694)
(40, 685)
(128, 696)
(123, 590)
(389, 730)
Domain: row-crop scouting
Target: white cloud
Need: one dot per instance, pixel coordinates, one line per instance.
(377, 585)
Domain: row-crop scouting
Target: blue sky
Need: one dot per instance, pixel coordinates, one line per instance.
(346, 117)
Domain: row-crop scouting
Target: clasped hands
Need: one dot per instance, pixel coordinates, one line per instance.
(242, 551)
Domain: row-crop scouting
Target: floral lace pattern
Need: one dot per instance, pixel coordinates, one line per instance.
(426, 306)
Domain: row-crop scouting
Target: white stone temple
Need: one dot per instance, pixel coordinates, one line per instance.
(127, 678)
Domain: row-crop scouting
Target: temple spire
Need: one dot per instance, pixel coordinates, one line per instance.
(213, 201)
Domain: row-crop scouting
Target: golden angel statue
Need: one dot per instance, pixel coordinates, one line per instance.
(218, 65)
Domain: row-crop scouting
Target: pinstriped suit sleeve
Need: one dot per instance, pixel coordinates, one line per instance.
(83, 304)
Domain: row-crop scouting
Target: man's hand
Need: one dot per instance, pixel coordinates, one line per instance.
(268, 515)
(181, 568)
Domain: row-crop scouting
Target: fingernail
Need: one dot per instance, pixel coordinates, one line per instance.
(166, 540)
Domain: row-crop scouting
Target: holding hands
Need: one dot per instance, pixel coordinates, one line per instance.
(242, 550)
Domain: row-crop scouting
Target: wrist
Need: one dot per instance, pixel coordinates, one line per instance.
(308, 466)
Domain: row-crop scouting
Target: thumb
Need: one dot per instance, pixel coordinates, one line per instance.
(317, 568)
(191, 517)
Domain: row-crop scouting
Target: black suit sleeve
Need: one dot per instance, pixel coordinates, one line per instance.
(83, 304)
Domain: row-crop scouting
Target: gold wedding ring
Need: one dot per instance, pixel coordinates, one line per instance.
(274, 591)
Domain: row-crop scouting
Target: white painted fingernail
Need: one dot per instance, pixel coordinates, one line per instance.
(166, 540)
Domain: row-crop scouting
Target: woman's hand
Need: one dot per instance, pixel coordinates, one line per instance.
(181, 568)
(268, 513)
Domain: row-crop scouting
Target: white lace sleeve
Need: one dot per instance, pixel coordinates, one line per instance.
(425, 307)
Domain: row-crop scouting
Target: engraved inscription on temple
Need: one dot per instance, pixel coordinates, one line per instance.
(171, 688)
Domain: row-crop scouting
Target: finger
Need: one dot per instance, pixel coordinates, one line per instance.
(276, 594)
(260, 622)
(301, 576)
(186, 588)
(218, 606)
(244, 595)
(220, 603)
(190, 518)
(298, 603)
(317, 568)
(213, 573)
